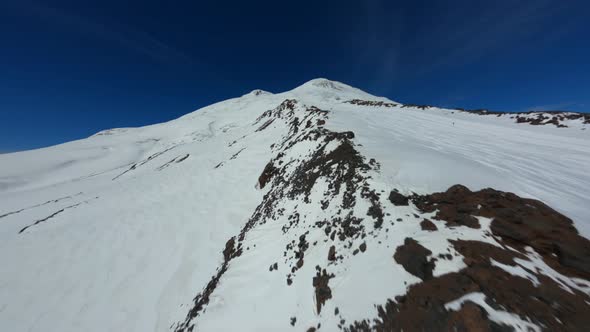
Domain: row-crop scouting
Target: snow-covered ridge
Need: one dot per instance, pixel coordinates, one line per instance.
(258, 92)
(560, 119)
(321, 208)
(331, 91)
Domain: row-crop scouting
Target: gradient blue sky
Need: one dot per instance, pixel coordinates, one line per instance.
(72, 68)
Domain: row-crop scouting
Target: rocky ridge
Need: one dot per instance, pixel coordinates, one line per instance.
(503, 262)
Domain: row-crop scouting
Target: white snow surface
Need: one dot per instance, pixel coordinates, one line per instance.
(130, 251)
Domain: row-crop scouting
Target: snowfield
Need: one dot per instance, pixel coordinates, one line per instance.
(298, 211)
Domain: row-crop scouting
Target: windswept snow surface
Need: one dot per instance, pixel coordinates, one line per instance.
(124, 228)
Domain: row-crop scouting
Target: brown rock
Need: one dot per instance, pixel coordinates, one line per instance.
(428, 225)
(332, 253)
(413, 257)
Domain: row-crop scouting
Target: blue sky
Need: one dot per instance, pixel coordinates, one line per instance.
(72, 68)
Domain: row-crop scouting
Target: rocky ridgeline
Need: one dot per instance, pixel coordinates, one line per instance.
(517, 258)
(371, 103)
(556, 118)
(330, 159)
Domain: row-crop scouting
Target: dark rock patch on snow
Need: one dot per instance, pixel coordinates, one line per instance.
(428, 225)
(176, 160)
(322, 289)
(451, 206)
(519, 222)
(332, 253)
(374, 103)
(414, 258)
(268, 172)
(422, 107)
(551, 118)
(522, 228)
(398, 199)
(145, 161)
(536, 118)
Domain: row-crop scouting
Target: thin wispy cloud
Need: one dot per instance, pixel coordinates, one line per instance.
(466, 39)
(399, 44)
(124, 36)
(383, 41)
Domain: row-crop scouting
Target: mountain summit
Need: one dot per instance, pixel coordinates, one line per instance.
(323, 208)
(327, 90)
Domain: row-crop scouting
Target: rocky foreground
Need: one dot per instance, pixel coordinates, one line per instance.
(520, 266)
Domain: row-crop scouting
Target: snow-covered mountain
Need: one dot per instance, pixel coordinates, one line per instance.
(323, 208)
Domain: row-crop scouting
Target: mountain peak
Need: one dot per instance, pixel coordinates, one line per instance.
(327, 84)
(326, 89)
(258, 92)
(324, 83)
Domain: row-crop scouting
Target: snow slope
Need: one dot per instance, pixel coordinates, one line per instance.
(120, 231)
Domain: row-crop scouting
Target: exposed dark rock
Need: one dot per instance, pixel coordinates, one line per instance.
(537, 118)
(235, 155)
(480, 111)
(265, 125)
(375, 210)
(471, 318)
(322, 290)
(230, 251)
(176, 160)
(268, 172)
(201, 300)
(428, 225)
(398, 199)
(522, 223)
(374, 103)
(414, 258)
(423, 307)
(363, 247)
(445, 256)
(143, 162)
(551, 118)
(450, 206)
(332, 253)
(182, 158)
(422, 107)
